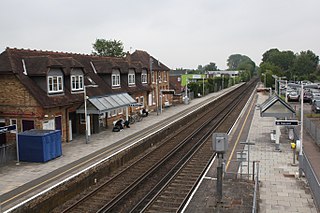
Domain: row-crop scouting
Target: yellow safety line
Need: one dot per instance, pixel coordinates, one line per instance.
(239, 135)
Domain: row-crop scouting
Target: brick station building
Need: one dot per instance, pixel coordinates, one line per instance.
(45, 89)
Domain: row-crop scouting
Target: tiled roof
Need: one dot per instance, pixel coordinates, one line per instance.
(144, 58)
(28, 63)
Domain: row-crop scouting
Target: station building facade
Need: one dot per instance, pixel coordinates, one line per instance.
(45, 89)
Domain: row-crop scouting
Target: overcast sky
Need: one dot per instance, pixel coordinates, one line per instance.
(180, 33)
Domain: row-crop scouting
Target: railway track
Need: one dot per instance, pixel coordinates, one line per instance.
(136, 185)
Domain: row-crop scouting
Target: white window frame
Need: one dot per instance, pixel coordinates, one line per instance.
(82, 119)
(144, 77)
(142, 101)
(77, 82)
(165, 76)
(115, 78)
(112, 113)
(14, 121)
(131, 77)
(55, 84)
(152, 77)
(159, 77)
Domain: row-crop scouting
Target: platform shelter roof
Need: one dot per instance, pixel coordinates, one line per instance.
(276, 107)
(98, 105)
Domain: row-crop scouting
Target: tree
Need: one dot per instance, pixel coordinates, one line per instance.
(200, 67)
(283, 60)
(110, 47)
(240, 62)
(266, 57)
(305, 65)
(234, 61)
(210, 67)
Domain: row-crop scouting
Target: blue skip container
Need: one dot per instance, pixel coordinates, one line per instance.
(39, 145)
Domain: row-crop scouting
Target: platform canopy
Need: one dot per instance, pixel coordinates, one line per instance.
(98, 105)
(274, 106)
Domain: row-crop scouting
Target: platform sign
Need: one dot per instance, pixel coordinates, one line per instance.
(287, 122)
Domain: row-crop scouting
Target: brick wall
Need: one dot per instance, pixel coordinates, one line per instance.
(17, 103)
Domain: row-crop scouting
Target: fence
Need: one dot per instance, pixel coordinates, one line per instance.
(7, 153)
(304, 163)
(311, 177)
(312, 129)
(246, 171)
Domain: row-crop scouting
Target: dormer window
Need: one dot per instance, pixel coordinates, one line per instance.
(144, 77)
(115, 78)
(165, 76)
(55, 81)
(77, 80)
(131, 77)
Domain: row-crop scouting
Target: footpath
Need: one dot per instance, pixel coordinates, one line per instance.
(281, 190)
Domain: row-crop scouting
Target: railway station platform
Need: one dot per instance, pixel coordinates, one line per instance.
(280, 190)
(21, 180)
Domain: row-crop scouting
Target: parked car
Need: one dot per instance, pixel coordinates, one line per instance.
(293, 96)
(314, 97)
(307, 96)
(316, 106)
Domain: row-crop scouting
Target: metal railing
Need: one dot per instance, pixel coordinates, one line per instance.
(305, 166)
(253, 175)
(256, 188)
(312, 129)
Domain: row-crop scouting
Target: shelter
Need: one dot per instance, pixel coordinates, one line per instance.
(104, 106)
(275, 107)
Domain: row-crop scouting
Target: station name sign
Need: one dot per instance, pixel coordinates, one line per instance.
(287, 122)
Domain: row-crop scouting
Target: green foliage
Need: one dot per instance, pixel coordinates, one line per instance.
(243, 63)
(110, 47)
(305, 64)
(210, 67)
(302, 66)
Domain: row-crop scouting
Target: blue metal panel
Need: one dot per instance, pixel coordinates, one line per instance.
(39, 145)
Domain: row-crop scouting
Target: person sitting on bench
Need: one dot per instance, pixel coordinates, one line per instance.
(145, 112)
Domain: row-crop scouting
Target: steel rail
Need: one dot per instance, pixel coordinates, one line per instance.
(167, 180)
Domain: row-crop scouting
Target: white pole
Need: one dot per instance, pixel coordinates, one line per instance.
(275, 85)
(202, 85)
(17, 144)
(301, 120)
(157, 95)
(286, 91)
(187, 101)
(160, 101)
(85, 114)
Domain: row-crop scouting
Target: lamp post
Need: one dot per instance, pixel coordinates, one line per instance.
(85, 109)
(203, 85)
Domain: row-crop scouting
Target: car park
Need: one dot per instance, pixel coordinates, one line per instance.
(307, 96)
(316, 106)
(293, 96)
(315, 96)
